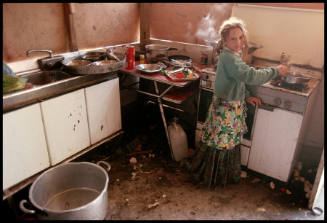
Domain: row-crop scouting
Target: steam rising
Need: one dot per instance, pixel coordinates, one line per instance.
(209, 24)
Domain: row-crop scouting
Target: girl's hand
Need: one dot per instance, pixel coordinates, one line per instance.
(282, 69)
(254, 101)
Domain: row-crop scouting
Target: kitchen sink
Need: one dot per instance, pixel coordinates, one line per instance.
(44, 84)
(45, 77)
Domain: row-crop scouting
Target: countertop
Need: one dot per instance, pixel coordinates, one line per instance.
(18, 99)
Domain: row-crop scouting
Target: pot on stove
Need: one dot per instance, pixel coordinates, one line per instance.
(157, 52)
(296, 78)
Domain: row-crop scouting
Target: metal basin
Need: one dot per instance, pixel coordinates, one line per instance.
(46, 77)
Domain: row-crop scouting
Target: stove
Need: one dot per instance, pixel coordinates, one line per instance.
(292, 97)
(300, 87)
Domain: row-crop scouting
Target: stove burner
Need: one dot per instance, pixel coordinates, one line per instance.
(295, 87)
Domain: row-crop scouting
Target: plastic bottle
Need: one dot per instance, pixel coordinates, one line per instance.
(178, 140)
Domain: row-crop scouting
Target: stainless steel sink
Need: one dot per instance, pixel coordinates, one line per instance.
(45, 84)
(45, 77)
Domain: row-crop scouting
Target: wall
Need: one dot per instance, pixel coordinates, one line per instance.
(298, 31)
(43, 26)
(103, 24)
(32, 26)
(188, 22)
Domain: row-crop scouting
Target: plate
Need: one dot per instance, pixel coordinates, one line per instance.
(174, 75)
(148, 68)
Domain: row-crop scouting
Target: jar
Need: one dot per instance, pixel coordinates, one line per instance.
(204, 58)
(130, 57)
(141, 58)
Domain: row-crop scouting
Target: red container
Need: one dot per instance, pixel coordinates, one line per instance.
(130, 57)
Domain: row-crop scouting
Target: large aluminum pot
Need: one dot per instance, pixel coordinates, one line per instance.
(71, 191)
(157, 52)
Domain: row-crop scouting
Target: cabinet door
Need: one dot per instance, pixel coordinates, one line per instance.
(274, 142)
(103, 109)
(66, 126)
(24, 145)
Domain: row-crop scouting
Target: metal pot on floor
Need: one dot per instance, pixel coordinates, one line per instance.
(71, 191)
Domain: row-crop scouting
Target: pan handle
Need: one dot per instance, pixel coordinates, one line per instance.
(105, 165)
(24, 209)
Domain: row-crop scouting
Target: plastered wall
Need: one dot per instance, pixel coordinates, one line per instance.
(32, 26)
(103, 24)
(300, 32)
(43, 26)
(188, 22)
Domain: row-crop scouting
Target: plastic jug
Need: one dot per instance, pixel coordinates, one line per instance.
(178, 140)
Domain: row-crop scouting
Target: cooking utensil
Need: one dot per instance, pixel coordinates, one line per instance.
(71, 191)
(294, 78)
(94, 56)
(157, 52)
(180, 61)
(85, 67)
(149, 68)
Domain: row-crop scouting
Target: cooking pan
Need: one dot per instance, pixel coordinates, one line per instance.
(85, 67)
(94, 56)
(180, 60)
(296, 78)
(157, 52)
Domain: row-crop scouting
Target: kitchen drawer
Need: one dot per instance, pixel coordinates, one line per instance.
(288, 101)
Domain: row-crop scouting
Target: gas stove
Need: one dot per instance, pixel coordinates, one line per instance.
(300, 87)
(280, 94)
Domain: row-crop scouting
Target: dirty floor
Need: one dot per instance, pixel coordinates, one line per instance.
(145, 184)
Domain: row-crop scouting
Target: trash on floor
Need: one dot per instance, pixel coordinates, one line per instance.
(243, 174)
(133, 160)
(272, 185)
(155, 204)
(256, 180)
(261, 209)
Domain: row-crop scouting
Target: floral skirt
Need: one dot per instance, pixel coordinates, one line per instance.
(218, 160)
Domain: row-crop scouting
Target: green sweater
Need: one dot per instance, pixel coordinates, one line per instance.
(235, 80)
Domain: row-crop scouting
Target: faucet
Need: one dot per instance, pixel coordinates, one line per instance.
(46, 51)
(47, 63)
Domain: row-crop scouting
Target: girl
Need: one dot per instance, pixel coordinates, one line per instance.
(218, 160)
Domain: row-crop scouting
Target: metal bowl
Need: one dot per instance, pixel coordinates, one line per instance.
(149, 68)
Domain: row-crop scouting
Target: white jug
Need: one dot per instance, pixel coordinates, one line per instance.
(178, 140)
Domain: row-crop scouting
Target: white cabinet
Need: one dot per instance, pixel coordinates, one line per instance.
(66, 125)
(274, 142)
(24, 145)
(103, 109)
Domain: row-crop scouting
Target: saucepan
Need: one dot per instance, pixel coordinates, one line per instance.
(70, 191)
(157, 52)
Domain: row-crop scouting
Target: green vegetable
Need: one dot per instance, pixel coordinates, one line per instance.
(11, 83)
(163, 72)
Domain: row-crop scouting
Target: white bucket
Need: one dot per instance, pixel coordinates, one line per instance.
(178, 140)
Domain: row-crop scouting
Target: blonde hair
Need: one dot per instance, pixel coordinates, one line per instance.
(224, 31)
